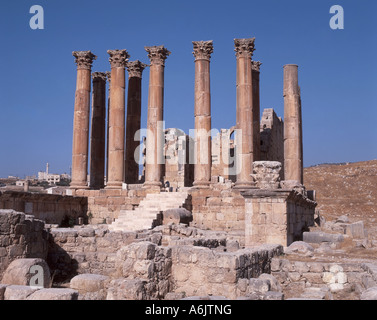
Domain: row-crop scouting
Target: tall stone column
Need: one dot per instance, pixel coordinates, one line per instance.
(118, 60)
(155, 134)
(84, 60)
(131, 167)
(293, 151)
(202, 170)
(255, 65)
(98, 131)
(244, 49)
(108, 75)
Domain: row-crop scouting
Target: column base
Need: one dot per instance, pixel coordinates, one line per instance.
(114, 185)
(201, 184)
(245, 185)
(152, 185)
(78, 185)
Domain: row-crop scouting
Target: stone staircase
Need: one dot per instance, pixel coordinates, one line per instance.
(149, 212)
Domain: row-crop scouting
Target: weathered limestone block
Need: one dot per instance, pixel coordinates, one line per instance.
(54, 294)
(86, 232)
(273, 282)
(273, 295)
(266, 174)
(177, 216)
(9, 218)
(335, 278)
(356, 230)
(18, 292)
(90, 286)
(299, 247)
(317, 293)
(19, 272)
(371, 269)
(318, 237)
(88, 282)
(369, 294)
(127, 289)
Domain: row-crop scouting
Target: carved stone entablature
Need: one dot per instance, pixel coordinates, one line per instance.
(202, 49)
(135, 68)
(118, 58)
(84, 59)
(244, 47)
(255, 65)
(157, 54)
(99, 76)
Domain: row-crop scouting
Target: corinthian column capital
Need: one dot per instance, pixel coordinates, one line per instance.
(99, 76)
(135, 68)
(84, 59)
(255, 65)
(157, 54)
(118, 58)
(202, 49)
(244, 47)
(108, 75)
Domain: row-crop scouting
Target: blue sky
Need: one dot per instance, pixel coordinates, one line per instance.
(337, 69)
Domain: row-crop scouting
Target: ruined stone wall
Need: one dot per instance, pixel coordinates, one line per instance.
(172, 258)
(21, 236)
(104, 205)
(276, 216)
(84, 250)
(48, 207)
(201, 271)
(296, 276)
(218, 208)
(272, 138)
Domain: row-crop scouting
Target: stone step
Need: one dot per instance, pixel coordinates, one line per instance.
(146, 215)
(167, 196)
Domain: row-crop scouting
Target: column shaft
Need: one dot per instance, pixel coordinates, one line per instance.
(84, 60)
(155, 134)
(133, 121)
(118, 59)
(202, 169)
(108, 74)
(98, 131)
(256, 109)
(245, 142)
(293, 151)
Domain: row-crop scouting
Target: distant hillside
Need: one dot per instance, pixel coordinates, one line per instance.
(348, 188)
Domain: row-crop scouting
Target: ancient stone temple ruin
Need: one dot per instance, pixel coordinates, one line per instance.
(167, 214)
(246, 180)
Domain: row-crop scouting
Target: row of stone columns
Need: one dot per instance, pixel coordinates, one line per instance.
(120, 153)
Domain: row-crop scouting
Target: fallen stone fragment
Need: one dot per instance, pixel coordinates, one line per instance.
(319, 237)
(21, 271)
(299, 247)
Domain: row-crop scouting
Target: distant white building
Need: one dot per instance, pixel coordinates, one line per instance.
(46, 176)
(20, 183)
